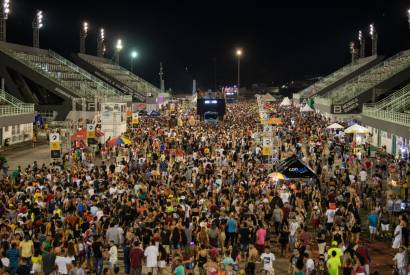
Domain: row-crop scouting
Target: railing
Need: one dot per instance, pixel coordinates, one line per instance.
(12, 110)
(390, 116)
(399, 99)
(107, 89)
(10, 99)
(335, 76)
(370, 78)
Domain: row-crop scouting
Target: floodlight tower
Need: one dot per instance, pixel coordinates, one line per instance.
(408, 17)
(100, 43)
(239, 55)
(37, 25)
(353, 52)
(161, 77)
(373, 35)
(118, 48)
(134, 55)
(4, 14)
(83, 36)
(362, 42)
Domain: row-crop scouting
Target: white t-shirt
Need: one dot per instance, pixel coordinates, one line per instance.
(310, 265)
(62, 263)
(151, 252)
(284, 196)
(113, 252)
(330, 214)
(400, 259)
(363, 175)
(293, 227)
(267, 259)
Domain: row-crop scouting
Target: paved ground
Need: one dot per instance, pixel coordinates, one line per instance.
(25, 154)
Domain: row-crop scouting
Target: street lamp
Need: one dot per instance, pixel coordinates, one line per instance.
(100, 43)
(239, 55)
(134, 55)
(373, 35)
(118, 48)
(4, 14)
(37, 25)
(362, 44)
(83, 36)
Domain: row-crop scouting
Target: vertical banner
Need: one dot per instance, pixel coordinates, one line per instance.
(135, 120)
(55, 146)
(91, 134)
(266, 146)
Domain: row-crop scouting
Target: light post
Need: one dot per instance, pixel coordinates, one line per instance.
(118, 48)
(134, 55)
(4, 14)
(83, 36)
(408, 17)
(239, 55)
(373, 35)
(100, 43)
(362, 44)
(37, 25)
(353, 52)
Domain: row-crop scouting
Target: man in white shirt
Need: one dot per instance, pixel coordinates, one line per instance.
(113, 255)
(330, 215)
(400, 261)
(152, 253)
(310, 264)
(267, 259)
(62, 263)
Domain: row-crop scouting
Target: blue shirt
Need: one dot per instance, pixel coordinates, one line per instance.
(13, 255)
(373, 219)
(231, 225)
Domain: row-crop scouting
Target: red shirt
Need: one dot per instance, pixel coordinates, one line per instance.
(136, 257)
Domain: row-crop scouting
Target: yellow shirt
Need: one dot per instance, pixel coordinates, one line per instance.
(36, 260)
(25, 247)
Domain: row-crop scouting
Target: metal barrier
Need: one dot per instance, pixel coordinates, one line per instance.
(390, 116)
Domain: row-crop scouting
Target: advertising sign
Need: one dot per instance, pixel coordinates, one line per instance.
(91, 134)
(55, 145)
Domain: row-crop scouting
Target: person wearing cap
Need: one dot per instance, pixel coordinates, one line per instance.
(336, 249)
(333, 263)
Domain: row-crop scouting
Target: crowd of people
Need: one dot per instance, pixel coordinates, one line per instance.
(194, 198)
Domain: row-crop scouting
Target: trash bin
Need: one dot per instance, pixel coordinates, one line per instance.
(7, 142)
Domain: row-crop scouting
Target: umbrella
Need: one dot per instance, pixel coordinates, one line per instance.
(80, 135)
(356, 129)
(274, 121)
(119, 141)
(276, 176)
(335, 126)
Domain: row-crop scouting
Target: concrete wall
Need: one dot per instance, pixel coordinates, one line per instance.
(17, 133)
(392, 142)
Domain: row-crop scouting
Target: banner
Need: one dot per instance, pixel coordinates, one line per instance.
(55, 145)
(135, 120)
(266, 146)
(91, 134)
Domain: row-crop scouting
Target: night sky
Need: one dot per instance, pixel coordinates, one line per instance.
(281, 40)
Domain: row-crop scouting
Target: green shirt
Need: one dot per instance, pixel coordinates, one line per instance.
(333, 265)
(179, 270)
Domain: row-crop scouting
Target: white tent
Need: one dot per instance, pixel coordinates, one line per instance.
(268, 97)
(357, 129)
(286, 102)
(306, 108)
(335, 126)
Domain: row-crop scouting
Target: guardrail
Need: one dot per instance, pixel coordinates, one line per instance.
(347, 92)
(12, 110)
(395, 101)
(390, 116)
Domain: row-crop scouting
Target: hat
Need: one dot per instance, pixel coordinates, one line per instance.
(334, 243)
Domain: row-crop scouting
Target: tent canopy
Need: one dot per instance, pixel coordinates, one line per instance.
(80, 135)
(306, 108)
(294, 168)
(286, 102)
(268, 97)
(335, 126)
(274, 121)
(356, 129)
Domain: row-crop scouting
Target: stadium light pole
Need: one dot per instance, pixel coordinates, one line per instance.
(100, 43)
(239, 55)
(362, 44)
(373, 35)
(134, 55)
(118, 48)
(83, 36)
(408, 17)
(4, 14)
(37, 25)
(353, 51)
